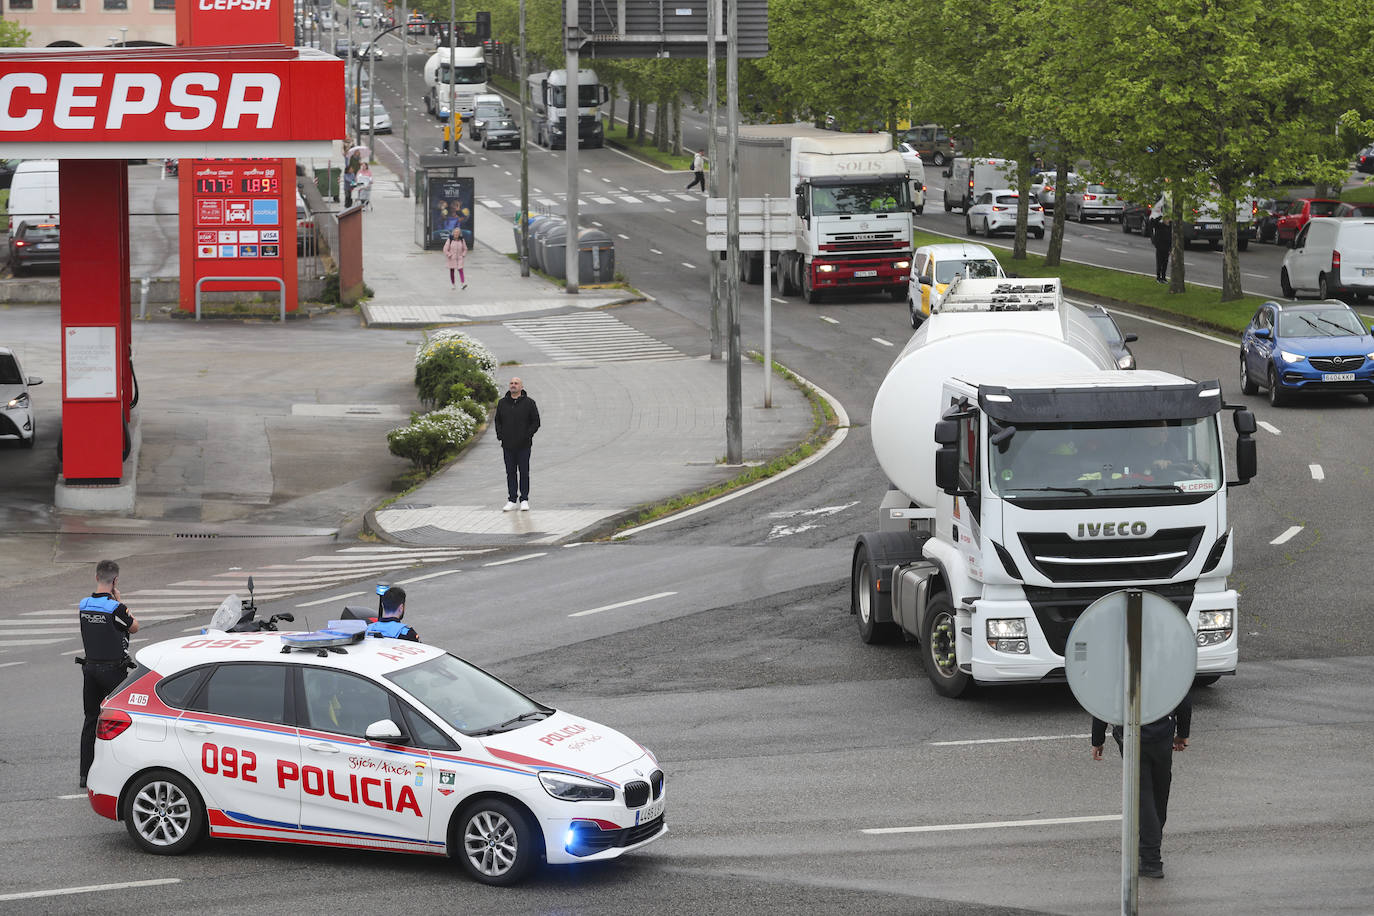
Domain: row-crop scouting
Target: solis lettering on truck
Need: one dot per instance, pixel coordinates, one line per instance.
(1030, 477)
(851, 223)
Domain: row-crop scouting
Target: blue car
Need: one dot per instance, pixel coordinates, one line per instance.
(1292, 347)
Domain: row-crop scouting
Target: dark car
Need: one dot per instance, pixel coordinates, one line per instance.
(1136, 218)
(1267, 213)
(7, 167)
(1364, 160)
(1106, 326)
(34, 245)
(483, 115)
(1299, 212)
(1364, 211)
(501, 132)
(1292, 347)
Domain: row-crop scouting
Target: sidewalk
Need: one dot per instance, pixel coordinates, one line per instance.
(626, 419)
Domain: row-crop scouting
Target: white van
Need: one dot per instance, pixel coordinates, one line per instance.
(1332, 257)
(969, 178)
(915, 176)
(33, 193)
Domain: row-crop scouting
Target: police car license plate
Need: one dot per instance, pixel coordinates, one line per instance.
(865, 273)
(1338, 377)
(650, 811)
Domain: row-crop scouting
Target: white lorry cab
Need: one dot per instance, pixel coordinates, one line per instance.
(970, 177)
(462, 69)
(1031, 477)
(550, 101)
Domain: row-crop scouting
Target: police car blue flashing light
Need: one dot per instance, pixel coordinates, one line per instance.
(323, 639)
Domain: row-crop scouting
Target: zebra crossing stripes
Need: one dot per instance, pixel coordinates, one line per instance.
(602, 200)
(657, 198)
(598, 337)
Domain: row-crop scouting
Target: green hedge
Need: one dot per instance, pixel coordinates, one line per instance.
(453, 380)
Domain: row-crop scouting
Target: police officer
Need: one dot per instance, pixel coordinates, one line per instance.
(391, 608)
(106, 625)
(1158, 742)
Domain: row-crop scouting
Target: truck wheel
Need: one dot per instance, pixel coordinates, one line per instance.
(1247, 384)
(1206, 680)
(864, 600)
(751, 269)
(941, 632)
(810, 293)
(948, 206)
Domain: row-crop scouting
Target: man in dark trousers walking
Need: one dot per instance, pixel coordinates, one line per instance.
(698, 170)
(1163, 238)
(105, 628)
(1158, 742)
(517, 420)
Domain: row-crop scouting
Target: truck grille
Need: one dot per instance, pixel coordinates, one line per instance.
(1060, 558)
(1336, 363)
(1057, 609)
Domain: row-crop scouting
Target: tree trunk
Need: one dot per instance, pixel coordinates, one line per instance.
(1176, 267)
(1018, 245)
(615, 91)
(1230, 251)
(677, 125)
(643, 116)
(630, 118)
(1061, 178)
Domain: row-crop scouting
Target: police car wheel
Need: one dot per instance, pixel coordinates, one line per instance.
(164, 814)
(496, 843)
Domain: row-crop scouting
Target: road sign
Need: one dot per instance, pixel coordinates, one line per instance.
(667, 28)
(1095, 660)
(752, 219)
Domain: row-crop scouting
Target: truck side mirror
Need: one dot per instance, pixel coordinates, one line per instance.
(1245, 422)
(1247, 461)
(947, 432)
(605, 95)
(947, 468)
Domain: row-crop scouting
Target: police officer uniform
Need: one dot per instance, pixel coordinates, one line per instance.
(105, 635)
(391, 607)
(393, 629)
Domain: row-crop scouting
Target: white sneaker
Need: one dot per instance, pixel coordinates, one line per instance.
(510, 506)
(524, 505)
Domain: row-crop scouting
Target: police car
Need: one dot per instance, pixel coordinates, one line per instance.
(333, 739)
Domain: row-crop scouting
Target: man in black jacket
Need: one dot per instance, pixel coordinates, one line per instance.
(1158, 741)
(1163, 238)
(517, 420)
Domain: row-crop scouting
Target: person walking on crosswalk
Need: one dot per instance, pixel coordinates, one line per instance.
(106, 625)
(698, 170)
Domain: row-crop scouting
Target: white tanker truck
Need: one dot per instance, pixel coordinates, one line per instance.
(1030, 478)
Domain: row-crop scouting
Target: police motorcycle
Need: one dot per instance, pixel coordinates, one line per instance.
(233, 616)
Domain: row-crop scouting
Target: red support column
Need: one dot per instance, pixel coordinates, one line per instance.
(94, 202)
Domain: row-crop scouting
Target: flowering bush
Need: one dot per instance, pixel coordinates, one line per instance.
(455, 343)
(433, 437)
(451, 366)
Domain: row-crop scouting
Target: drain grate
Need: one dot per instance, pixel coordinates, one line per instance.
(183, 534)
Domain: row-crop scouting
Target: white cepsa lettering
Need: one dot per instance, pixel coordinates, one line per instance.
(563, 734)
(235, 4)
(365, 790)
(193, 101)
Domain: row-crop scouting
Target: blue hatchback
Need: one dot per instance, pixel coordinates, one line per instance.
(1307, 346)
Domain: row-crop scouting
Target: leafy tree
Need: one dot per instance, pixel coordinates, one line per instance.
(12, 35)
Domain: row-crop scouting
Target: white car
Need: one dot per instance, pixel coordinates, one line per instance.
(369, 49)
(1043, 187)
(373, 116)
(934, 267)
(333, 739)
(915, 176)
(995, 211)
(16, 418)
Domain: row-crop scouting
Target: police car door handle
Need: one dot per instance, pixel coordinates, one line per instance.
(196, 728)
(324, 748)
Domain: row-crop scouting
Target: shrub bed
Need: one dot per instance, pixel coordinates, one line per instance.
(453, 378)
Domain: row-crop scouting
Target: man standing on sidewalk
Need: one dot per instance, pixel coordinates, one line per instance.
(517, 420)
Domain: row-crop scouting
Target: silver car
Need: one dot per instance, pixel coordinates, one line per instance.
(1043, 187)
(1094, 201)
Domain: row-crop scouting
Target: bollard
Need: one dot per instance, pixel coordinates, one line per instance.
(143, 286)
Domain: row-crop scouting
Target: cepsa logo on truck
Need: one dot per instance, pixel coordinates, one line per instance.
(245, 5)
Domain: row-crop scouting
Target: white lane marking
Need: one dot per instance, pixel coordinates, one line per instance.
(8, 643)
(588, 171)
(623, 236)
(629, 199)
(623, 188)
(528, 556)
(1287, 535)
(11, 665)
(822, 510)
(993, 825)
(602, 200)
(508, 174)
(698, 222)
(1256, 276)
(689, 266)
(779, 301)
(89, 889)
(330, 599)
(657, 198)
(1006, 740)
(594, 222)
(669, 210)
(433, 575)
(536, 190)
(79, 651)
(620, 604)
(655, 251)
(607, 180)
(1163, 324)
(1116, 250)
(886, 343)
(827, 318)
(1317, 472)
(70, 797)
(783, 531)
(1269, 428)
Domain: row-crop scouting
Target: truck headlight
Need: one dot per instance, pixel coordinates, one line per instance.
(825, 268)
(574, 788)
(901, 265)
(1008, 635)
(1213, 627)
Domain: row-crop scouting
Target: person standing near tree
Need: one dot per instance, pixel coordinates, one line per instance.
(517, 420)
(1163, 239)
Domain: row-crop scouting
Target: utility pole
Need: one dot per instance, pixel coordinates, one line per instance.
(524, 152)
(405, 102)
(572, 96)
(734, 434)
(712, 184)
(371, 99)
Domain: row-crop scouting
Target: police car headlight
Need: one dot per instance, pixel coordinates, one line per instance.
(18, 401)
(574, 788)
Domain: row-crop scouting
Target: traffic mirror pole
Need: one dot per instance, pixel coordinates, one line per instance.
(1130, 771)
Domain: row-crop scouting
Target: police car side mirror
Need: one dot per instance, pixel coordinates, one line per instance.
(383, 730)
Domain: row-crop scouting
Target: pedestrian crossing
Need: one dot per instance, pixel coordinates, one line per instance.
(555, 200)
(596, 336)
(197, 598)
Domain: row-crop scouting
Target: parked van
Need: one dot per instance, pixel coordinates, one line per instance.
(915, 176)
(969, 178)
(1331, 257)
(33, 193)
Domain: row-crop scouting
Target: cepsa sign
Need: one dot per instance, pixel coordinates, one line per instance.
(233, 22)
(149, 101)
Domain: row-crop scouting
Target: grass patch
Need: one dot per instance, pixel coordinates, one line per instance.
(1364, 194)
(5, 202)
(1199, 305)
(823, 425)
(616, 136)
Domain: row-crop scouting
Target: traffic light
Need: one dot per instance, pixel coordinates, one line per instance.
(457, 129)
(483, 25)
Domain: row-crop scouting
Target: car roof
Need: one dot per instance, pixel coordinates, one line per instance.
(372, 656)
(955, 250)
(1289, 306)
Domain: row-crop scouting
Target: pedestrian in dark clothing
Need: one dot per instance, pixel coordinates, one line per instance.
(1163, 238)
(698, 170)
(1158, 741)
(517, 420)
(105, 628)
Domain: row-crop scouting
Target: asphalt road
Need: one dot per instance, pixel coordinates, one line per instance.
(784, 737)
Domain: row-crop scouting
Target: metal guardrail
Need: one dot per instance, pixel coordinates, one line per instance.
(281, 284)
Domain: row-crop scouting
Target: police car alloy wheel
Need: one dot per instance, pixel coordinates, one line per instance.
(497, 843)
(165, 815)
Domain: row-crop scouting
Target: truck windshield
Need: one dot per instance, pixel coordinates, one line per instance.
(588, 96)
(464, 74)
(853, 199)
(1182, 456)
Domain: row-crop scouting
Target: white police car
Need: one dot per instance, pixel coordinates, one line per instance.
(363, 743)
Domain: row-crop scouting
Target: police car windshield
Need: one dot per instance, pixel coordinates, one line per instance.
(466, 697)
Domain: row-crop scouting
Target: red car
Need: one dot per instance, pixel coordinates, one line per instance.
(1299, 212)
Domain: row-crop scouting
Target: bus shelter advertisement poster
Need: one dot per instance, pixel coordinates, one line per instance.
(450, 207)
